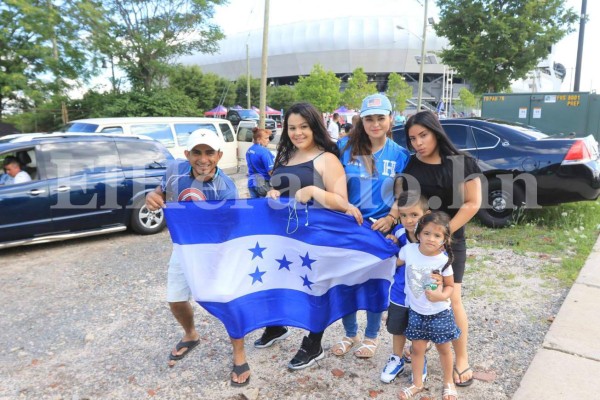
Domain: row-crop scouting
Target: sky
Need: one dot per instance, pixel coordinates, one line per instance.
(245, 15)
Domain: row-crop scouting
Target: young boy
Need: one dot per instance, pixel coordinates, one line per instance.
(411, 206)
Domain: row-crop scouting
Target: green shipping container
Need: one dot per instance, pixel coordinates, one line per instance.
(552, 113)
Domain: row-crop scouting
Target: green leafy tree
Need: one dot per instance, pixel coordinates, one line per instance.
(156, 103)
(398, 91)
(321, 88)
(168, 102)
(467, 99)
(358, 88)
(281, 97)
(241, 90)
(493, 42)
(196, 85)
(43, 48)
(145, 36)
(226, 93)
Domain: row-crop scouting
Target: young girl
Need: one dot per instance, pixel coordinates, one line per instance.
(411, 207)
(430, 315)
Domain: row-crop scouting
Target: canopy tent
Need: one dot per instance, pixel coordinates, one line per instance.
(268, 111)
(218, 110)
(237, 107)
(272, 111)
(342, 110)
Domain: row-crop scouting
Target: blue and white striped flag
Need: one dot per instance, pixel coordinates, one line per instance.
(258, 262)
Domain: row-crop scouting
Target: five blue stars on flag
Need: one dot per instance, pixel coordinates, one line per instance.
(284, 263)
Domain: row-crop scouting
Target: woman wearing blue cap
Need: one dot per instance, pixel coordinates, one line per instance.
(371, 161)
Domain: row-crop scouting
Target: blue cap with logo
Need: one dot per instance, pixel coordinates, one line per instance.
(375, 104)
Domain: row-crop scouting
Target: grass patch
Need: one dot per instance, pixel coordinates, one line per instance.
(566, 232)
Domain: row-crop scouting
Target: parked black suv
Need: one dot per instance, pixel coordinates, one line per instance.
(81, 185)
(235, 116)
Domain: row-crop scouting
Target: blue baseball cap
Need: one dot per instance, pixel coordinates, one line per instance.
(375, 104)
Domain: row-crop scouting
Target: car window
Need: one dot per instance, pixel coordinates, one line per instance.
(248, 114)
(183, 131)
(112, 129)
(485, 139)
(27, 161)
(141, 155)
(78, 158)
(79, 127)
(460, 136)
(244, 135)
(227, 132)
(159, 132)
(399, 137)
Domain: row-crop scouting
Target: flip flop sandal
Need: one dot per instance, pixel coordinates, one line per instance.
(369, 345)
(344, 346)
(449, 391)
(190, 346)
(238, 370)
(466, 383)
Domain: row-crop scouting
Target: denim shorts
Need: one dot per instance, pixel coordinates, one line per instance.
(439, 328)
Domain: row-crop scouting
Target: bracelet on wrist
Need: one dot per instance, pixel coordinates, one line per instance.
(394, 219)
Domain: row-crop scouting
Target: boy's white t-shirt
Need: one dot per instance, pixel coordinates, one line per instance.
(418, 274)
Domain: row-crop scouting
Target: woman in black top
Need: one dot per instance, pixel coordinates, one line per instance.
(306, 168)
(451, 181)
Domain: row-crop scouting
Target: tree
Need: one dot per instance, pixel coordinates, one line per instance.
(467, 99)
(145, 36)
(321, 88)
(398, 91)
(358, 88)
(44, 48)
(196, 85)
(281, 97)
(225, 90)
(241, 90)
(493, 42)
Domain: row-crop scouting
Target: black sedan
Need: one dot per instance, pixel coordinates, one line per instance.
(523, 166)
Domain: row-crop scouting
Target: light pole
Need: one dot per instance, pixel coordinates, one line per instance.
(422, 60)
(422, 64)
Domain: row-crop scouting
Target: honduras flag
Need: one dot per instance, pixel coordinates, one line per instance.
(258, 262)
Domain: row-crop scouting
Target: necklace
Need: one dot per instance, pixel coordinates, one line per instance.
(380, 151)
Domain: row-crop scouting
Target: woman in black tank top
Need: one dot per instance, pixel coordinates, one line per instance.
(306, 168)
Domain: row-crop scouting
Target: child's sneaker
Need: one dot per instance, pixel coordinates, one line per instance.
(424, 372)
(392, 369)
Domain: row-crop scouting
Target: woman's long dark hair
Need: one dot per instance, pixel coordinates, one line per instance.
(442, 219)
(314, 118)
(430, 121)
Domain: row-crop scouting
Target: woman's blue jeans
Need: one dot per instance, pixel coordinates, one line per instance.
(372, 329)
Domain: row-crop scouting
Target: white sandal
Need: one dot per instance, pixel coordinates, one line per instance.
(367, 344)
(448, 391)
(408, 392)
(344, 346)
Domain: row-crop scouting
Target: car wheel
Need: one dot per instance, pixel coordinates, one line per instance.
(500, 206)
(144, 221)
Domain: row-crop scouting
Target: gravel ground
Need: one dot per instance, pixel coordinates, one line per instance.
(86, 319)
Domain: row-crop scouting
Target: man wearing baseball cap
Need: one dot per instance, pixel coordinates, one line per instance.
(195, 179)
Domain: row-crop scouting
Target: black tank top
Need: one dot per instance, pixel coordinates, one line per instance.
(288, 179)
